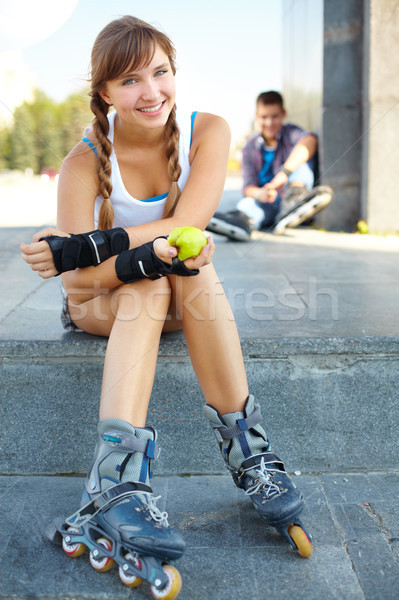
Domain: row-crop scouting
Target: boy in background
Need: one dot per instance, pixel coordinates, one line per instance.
(278, 166)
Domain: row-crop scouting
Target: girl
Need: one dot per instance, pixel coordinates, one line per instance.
(139, 172)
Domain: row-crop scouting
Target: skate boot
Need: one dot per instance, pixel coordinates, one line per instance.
(119, 521)
(246, 451)
(300, 205)
(233, 224)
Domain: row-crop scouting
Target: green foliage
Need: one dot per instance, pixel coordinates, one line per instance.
(22, 140)
(43, 132)
(4, 148)
(74, 116)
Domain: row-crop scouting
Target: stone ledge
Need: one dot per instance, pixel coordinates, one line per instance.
(84, 345)
(321, 411)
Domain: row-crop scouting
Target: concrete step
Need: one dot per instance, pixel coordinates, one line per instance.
(326, 402)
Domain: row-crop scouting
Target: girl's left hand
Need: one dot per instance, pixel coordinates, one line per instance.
(38, 254)
(166, 253)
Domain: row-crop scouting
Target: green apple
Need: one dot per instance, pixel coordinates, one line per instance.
(189, 241)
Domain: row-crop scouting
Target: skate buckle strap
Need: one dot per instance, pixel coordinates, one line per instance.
(227, 433)
(126, 442)
(121, 490)
(151, 449)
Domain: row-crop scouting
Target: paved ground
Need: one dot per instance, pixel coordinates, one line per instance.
(353, 518)
(306, 283)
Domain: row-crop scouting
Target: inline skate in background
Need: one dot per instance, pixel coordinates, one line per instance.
(299, 205)
(246, 451)
(118, 521)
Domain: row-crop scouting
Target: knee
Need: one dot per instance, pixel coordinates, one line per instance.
(206, 278)
(197, 295)
(145, 298)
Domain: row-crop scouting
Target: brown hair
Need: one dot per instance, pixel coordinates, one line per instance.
(127, 44)
(271, 97)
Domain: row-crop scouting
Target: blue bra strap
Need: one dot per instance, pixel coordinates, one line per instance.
(155, 198)
(90, 144)
(192, 125)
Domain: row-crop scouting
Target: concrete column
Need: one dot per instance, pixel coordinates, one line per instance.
(303, 62)
(341, 150)
(380, 182)
(352, 101)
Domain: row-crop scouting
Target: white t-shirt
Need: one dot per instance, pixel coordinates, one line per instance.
(129, 211)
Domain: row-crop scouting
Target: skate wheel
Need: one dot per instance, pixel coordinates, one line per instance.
(173, 587)
(73, 550)
(105, 563)
(130, 580)
(301, 540)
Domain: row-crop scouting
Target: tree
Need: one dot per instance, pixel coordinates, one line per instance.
(44, 131)
(74, 116)
(22, 143)
(44, 113)
(4, 148)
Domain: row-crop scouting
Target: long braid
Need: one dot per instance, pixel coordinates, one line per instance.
(172, 135)
(104, 148)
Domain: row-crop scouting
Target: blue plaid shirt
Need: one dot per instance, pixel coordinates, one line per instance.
(252, 156)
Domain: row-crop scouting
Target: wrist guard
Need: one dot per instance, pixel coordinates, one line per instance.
(86, 249)
(285, 171)
(143, 263)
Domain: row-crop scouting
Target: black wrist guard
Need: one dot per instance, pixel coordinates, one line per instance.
(86, 249)
(143, 263)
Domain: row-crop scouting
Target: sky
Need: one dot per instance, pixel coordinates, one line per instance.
(228, 51)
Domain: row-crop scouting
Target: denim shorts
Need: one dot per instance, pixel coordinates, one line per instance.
(66, 320)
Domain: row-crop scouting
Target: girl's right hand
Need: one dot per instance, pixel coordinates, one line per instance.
(38, 254)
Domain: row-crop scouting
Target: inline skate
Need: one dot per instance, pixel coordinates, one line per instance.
(246, 451)
(118, 521)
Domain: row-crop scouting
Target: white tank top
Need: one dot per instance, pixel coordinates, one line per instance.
(129, 211)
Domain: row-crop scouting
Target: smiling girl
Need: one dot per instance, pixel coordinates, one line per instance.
(140, 171)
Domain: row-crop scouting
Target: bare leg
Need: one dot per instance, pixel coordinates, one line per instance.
(127, 314)
(133, 317)
(212, 339)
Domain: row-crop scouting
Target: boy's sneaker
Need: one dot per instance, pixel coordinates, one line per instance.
(302, 206)
(234, 224)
